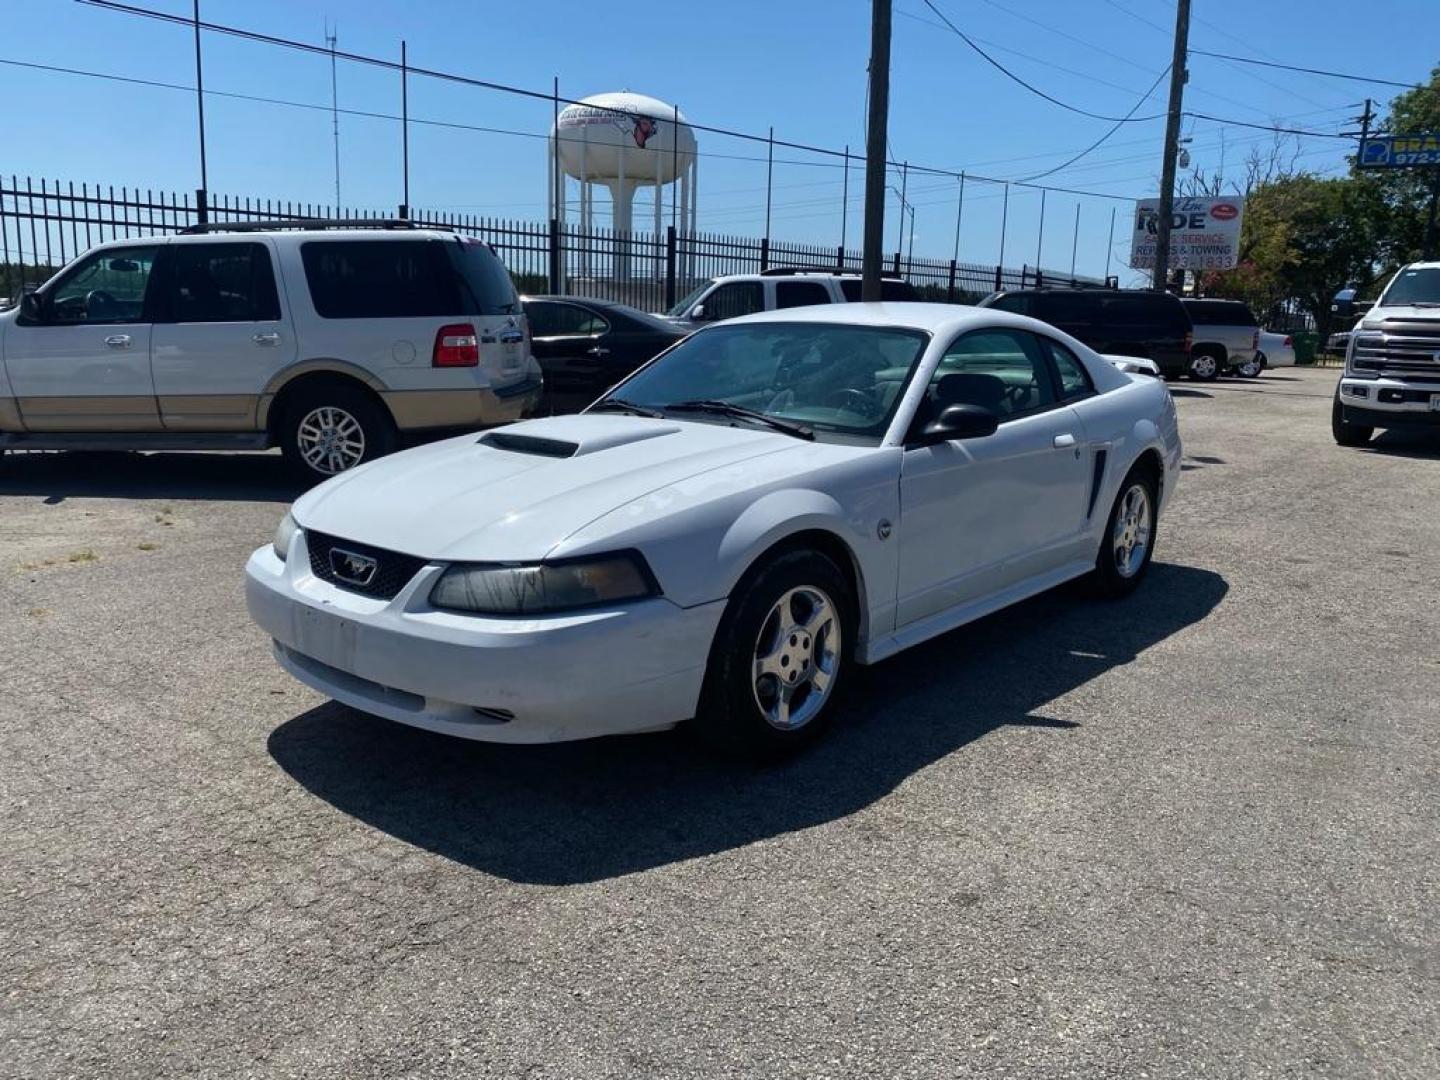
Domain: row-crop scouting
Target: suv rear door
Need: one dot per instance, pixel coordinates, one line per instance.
(221, 333)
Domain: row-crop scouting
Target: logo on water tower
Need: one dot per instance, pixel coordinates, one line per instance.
(642, 129)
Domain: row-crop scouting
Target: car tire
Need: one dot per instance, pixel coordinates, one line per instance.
(1346, 433)
(1134, 516)
(330, 429)
(790, 621)
(1205, 367)
(1251, 369)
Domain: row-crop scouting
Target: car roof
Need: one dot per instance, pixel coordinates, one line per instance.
(934, 318)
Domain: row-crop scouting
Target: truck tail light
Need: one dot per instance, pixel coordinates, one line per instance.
(1189, 341)
(456, 346)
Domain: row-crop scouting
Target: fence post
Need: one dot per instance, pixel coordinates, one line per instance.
(1039, 277)
(897, 264)
(840, 258)
(764, 254)
(950, 289)
(202, 206)
(554, 274)
(669, 267)
(998, 285)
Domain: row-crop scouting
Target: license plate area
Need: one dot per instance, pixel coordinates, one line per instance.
(329, 638)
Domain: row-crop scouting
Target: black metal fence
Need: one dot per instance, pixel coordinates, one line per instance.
(44, 224)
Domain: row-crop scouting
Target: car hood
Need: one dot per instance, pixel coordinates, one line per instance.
(1379, 318)
(508, 495)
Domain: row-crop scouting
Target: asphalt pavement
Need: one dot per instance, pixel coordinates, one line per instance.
(1188, 834)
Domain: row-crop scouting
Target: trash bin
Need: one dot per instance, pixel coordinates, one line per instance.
(1307, 342)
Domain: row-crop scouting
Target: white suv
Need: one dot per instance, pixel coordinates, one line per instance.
(733, 295)
(328, 340)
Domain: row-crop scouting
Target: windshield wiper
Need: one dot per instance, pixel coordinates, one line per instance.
(621, 405)
(739, 412)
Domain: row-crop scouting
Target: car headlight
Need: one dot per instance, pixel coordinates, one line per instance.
(542, 587)
(284, 534)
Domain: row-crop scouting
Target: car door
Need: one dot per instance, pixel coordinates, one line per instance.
(981, 515)
(570, 343)
(84, 363)
(220, 334)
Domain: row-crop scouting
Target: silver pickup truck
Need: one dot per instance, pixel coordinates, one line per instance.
(1227, 339)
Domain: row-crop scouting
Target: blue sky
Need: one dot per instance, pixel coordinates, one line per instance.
(743, 64)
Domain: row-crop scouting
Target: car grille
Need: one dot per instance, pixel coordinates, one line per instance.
(1405, 350)
(392, 571)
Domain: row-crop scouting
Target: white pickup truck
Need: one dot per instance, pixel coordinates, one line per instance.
(1392, 363)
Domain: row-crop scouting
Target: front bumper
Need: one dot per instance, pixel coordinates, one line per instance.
(633, 667)
(1385, 402)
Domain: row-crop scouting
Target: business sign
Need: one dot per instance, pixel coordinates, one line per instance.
(1204, 233)
(1399, 151)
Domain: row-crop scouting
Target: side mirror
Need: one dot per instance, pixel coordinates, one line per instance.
(958, 422)
(698, 313)
(1362, 306)
(30, 307)
(1343, 309)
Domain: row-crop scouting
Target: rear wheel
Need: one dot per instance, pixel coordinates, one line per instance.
(1205, 366)
(1251, 368)
(1129, 539)
(329, 429)
(779, 658)
(1346, 433)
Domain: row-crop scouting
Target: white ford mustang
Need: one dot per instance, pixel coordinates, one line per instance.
(728, 531)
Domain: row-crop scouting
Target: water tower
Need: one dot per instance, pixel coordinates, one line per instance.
(623, 142)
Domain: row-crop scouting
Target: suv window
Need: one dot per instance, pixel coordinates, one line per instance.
(1063, 308)
(548, 319)
(1074, 379)
(1015, 303)
(385, 279)
(1000, 370)
(1219, 313)
(790, 294)
(484, 277)
(224, 282)
(735, 298)
(106, 287)
(1150, 309)
(890, 289)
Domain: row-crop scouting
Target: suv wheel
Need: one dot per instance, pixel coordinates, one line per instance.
(330, 429)
(1251, 368)
(1205, 367)
(780, 656)
(1346, 433)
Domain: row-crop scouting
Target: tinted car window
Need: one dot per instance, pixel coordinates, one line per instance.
(230, 282)
(890, 289)
(549, 319)
(1018, 303)
(491, 292)
(790, 294)
(999, 370)
(1219, 313)
(1149, 309)
(106, 287)
(1063, 309)
(367, 279)
(735, 298)
(1074, 379)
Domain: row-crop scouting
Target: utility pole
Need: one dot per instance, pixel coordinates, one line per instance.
(200, 103)
(875, 143)
(1178, 76)
(332, 40)
(405, 129)
(1430, 226)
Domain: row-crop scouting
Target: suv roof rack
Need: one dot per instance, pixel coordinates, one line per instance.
(790, 271)
(306, 223)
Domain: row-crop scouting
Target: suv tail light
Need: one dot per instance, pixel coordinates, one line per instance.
(1189, 340)
(456, 346)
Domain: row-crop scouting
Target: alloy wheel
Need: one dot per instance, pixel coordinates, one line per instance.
(1131, 539)
(330, 440)
(797, 655)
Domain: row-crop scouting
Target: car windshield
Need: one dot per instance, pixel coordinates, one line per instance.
(837, 379)
(1420, 286)
(690, 300)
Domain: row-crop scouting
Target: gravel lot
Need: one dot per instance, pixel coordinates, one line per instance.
(1192, 834)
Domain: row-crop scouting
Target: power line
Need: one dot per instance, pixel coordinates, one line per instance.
(1268, 127)
(1143, 98)
(1305, 70)
(1016, 78)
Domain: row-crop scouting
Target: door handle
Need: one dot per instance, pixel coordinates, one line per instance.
(1064, 442)
(118, 341)
(266, 340)
(597, 351)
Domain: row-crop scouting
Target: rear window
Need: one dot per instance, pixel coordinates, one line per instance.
(1220, 313)
(383, 279)
(487, 281)
(890, 289)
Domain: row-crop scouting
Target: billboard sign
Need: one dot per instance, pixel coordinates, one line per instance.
(1399, 151)
(1204, 232)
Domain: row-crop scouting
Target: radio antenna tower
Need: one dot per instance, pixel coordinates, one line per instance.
(330, 40)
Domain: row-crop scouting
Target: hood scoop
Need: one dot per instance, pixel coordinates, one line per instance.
(574, 436)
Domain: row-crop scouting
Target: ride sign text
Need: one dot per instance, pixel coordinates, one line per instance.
(1204, 233)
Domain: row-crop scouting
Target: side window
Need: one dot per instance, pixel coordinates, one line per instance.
(231, 282)
(1016, 304)
(999, 370)
(564, 320)
(368, 279)
(106, 287)
(735, 298)
(790, 294)
(1074, 379)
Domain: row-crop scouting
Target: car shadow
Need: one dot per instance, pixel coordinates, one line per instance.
(58, 475)
(1185, 391)
(1405, 442)
(583, 812)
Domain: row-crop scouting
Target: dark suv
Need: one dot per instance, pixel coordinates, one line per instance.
(1115, 321)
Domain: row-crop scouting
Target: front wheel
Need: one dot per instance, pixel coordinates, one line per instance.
(1205, 367)
(330, 429)
(1129, 539)
(780, 657)
(1346, 433)
(1251, 368)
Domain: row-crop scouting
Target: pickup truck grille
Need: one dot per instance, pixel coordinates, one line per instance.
(1408, 350)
